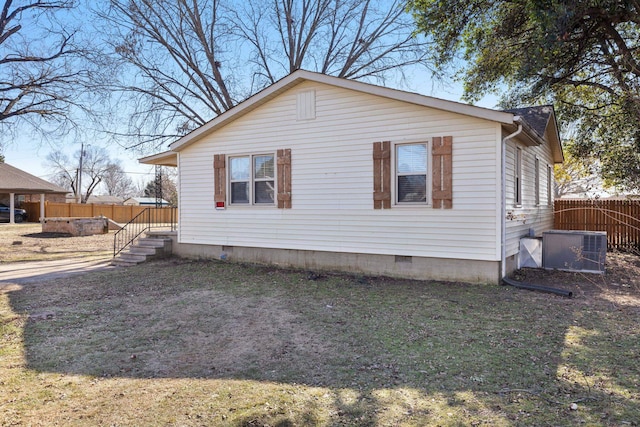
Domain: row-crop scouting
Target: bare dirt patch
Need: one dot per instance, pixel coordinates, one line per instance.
(182, 342)
(27, 242)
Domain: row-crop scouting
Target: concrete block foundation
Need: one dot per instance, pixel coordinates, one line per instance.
(410, 267)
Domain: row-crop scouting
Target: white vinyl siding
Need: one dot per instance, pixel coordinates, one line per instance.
(332, 180)
(529, 215)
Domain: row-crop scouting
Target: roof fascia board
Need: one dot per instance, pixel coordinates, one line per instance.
(239, 110)
(299, 76)
(418, 99)
(166, 158)
(30, 191)
(534, 138)
(558, 154)
(531, 133)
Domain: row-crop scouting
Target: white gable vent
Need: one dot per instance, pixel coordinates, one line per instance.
(306, 105)
(574, 250)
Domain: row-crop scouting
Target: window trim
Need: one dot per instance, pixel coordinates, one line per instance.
(550, 185)
(252, 180)
(537, 185)
(517, 175)
(429, 172)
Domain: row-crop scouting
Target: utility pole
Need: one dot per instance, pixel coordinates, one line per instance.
(79, 196)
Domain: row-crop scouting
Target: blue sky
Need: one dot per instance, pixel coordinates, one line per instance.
(29, 153)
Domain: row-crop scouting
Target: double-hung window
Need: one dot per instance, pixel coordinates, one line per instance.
(411, 173)
(252, 179)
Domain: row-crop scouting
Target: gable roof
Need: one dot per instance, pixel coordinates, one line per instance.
(300, 76)
(542, 121)
(14, 180)
(538, 122)
(537, 117)
(104, 199)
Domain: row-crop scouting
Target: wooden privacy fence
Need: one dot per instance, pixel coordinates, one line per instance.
(118, 213)
(619, 218)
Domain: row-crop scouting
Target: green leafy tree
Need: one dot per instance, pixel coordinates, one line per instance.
(578, 175)
(582, 56)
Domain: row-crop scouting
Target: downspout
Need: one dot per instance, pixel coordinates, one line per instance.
(503, 261)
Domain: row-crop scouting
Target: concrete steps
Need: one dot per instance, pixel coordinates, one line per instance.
(143, 249)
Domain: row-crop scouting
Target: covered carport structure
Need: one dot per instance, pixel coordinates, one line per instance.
(15, 181)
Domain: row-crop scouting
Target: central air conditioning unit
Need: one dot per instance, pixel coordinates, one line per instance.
(574, 250)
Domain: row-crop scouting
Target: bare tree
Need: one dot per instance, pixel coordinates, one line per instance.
(63, 174)
(116, 182)
(96, 164)
(345, 38)
(38, 82)
(195, 59)
(175, 48)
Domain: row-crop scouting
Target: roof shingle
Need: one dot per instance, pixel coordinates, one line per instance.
(14, 180)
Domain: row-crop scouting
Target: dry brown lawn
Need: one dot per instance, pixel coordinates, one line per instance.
(208, 343)
(27, 242)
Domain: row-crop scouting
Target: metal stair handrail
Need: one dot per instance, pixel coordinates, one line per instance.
(146, 220)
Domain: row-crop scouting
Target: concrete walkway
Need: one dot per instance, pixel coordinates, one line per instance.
(39, 271)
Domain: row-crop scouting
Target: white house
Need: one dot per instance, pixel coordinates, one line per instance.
(325, 173)
(145, 201)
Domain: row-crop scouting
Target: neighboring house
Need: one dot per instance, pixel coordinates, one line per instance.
(145, 201)
(104, 200)
(48, 197)
(17, 186)
(325, 173)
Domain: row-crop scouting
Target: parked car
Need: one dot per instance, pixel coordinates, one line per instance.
(19, 214)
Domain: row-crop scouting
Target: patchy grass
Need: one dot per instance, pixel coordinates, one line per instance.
(214, 343)
(27, 242)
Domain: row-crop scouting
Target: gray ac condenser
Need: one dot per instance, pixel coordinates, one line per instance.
(574, 250)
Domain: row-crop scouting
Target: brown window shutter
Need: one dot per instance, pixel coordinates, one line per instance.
(442, 187)
(219, 178)
(382, 175)
(284, 178)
